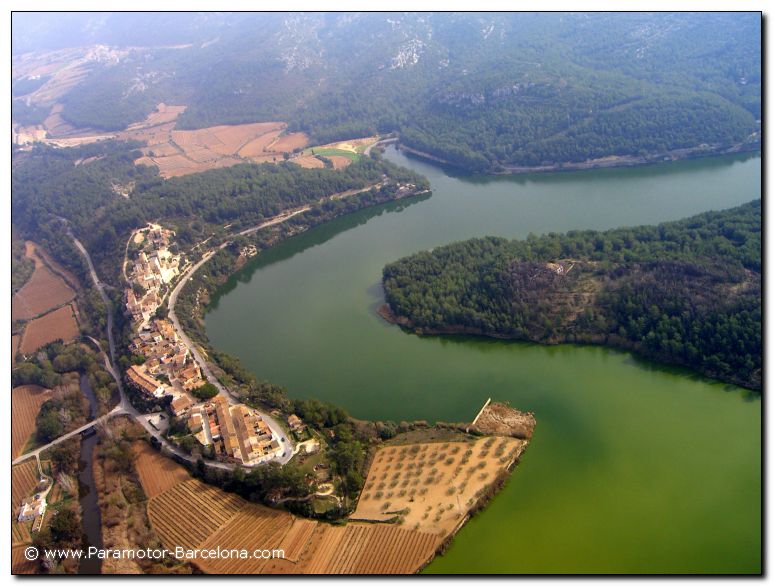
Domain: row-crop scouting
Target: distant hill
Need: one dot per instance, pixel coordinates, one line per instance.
(686, 292)
(485, 92)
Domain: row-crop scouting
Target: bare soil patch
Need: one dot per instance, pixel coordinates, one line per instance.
(308, 162)
(339, 161)
(163, 114)
(59, 324)
(44, 291)
(289, 142)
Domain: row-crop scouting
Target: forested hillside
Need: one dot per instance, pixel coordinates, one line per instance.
(486, 92)
(77, 184)
(686, 292)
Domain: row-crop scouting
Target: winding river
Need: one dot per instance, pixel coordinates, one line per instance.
(634, 467)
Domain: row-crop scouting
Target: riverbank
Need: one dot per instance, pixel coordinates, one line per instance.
(610, 341)
(620, 442)
(608, 162)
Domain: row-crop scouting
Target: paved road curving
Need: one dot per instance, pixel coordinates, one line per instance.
(125, 406)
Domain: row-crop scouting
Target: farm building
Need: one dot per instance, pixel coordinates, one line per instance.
(32, 507)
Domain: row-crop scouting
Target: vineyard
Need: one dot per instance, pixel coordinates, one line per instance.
(191, 512)
(193, 515)
(157, 473)
(24, 479)
(25, 405)
(367, 549)
(254, 527)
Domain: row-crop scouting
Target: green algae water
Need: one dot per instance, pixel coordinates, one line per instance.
(634, 467)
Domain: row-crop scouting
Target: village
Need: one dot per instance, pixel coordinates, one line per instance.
(232, 433)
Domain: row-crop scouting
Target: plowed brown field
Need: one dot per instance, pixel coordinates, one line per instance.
(25, 405)
(193, 515)
(297, 538)
(181, 152)
(59, 324)
(339, 161)
(19, 564)
(289, 142)
(157, 473)
(308, 162)
(44, 291)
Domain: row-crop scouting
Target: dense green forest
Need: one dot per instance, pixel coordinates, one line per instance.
(686, 292)
(482, 91)
(50, 183)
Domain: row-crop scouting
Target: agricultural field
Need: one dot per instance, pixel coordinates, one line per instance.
(44, 291)
(367, 549)
(190, 512)
(180, 152)
(308, 162)
(25, 405)
(432, 486)
(157, 473)
(59, 324)
(19, 564)
(164, 113)
(24, 479)
(194, 515)
(342, 153)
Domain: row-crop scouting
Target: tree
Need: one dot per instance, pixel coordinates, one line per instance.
(205, 392)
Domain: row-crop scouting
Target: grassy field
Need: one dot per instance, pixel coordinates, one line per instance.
(334, 152)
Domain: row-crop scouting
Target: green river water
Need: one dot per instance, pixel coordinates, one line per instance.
(634, 467)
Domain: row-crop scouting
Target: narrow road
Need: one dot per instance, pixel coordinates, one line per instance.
(276, 429)
(35, 453)
(125, 406)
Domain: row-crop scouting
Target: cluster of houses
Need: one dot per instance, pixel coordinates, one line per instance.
(236, 432)
(154, 268)
(169, 367)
